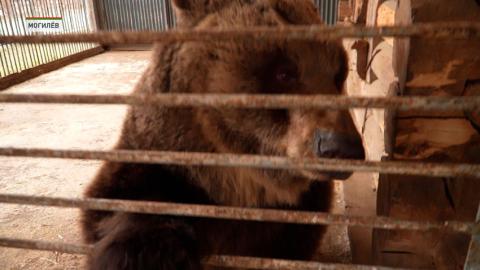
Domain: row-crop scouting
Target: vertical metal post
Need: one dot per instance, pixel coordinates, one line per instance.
(16, 31)
(473, 256)
(12, 49)
(163, 12)
(114, 9)
(143, 15)
(79, 10)
(2, 67)
(171, 15)
(74, 23)
(66, 26)
(157, 15)
(132, 15)
(91, 14)
(59, 12)
(32, 53)
(4, 49)
(87, 22)
(49, 49)
(40, 48)
(50, 13)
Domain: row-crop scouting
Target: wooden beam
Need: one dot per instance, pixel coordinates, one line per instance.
(31, 73)
(431, 68)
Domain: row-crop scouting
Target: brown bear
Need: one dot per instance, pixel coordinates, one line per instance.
(137, 241)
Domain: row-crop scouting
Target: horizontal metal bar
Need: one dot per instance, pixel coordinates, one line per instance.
(277, 264)
(44, 245)
(464, 30)
(257, 101)
(237, 213)
(215, 260)
(254, 161)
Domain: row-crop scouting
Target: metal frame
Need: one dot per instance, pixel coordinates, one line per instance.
(439, 30)
(443, 30)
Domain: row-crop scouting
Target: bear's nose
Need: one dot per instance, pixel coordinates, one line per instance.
(331, 144)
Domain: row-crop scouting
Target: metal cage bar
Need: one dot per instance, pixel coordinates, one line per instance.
(462, 30)
(450, 30)
(257, 101)
(215, 260)
(254, 161)
(238, 213)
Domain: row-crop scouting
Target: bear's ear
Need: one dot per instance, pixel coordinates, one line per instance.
(190, 11)
(297, 11)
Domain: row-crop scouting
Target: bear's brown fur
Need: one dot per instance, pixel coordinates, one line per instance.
(134, 241)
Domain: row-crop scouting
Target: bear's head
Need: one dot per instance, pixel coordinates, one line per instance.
(268, 67)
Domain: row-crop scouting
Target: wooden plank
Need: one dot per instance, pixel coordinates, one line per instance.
(359, 11)
(372, 74)
(31, 73)
(433, 68)
(419, 138)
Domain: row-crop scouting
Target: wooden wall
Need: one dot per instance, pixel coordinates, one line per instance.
(420, 67)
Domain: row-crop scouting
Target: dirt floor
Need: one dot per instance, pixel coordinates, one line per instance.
(77, 127)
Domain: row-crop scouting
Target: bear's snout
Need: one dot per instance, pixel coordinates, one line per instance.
(331, 144)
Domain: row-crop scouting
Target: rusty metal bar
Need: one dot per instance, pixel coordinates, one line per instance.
(237, 213)
(44, 245)
(257, 101)
(254, 161)
(215, 260)
(464, 30)
(473, 256)
(277, 264)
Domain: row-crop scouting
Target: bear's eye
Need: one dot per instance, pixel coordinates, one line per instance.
(285, 74)
(280, 75)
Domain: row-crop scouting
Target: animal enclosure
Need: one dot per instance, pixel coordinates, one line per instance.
(413, 87)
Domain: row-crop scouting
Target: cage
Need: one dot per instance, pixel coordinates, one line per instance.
(413, 88)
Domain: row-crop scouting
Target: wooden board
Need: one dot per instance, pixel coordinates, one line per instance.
(372, 73)
(31, 73)
(433, 68)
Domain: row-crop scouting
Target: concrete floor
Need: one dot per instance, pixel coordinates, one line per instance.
(77, 127)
